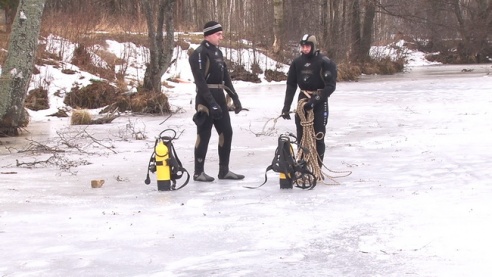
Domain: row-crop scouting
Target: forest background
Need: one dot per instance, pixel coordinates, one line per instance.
(345, 28)
(451, 31)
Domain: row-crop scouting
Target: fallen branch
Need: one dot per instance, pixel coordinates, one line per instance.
(103, 120)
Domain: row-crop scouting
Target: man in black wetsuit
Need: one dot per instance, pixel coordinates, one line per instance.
(211, 80)
(316, 76)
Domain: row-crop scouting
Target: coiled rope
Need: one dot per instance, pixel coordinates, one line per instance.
(308, 142)
(307, 151)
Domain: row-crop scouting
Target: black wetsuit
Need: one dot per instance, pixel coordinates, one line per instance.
(208, 67)
(316, 73)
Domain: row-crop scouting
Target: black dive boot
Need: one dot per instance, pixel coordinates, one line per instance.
(202, 177)
(225, 173)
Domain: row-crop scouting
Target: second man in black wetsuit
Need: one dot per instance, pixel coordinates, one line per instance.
(212, 80)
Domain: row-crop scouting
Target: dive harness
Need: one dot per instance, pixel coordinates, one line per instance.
(290, 170)
(165, 163)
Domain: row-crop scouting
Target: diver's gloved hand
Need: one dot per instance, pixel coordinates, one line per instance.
(237, 105)
(309, 105)
(311, 102)
(285, 113)
(215, 111)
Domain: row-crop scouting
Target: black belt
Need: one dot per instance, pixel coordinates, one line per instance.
(216, 86)
(221, 86)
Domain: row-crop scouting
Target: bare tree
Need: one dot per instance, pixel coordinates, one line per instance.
(367, 29)
(356, 55)
(474, 21)
(332, 42)
(17, 70)
(278, 18)
(445, 24)
(9, 7)
(160, 45)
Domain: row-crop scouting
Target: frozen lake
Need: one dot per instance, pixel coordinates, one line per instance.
(417, 202)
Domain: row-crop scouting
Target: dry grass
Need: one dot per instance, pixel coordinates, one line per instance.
(384, 66)
(4, 40)
(93, 96)
(348, 72)
(37, 99)
(80, 117)
(145, 102)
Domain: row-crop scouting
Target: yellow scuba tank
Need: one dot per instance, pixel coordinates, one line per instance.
(291, 171)
(285, 183)
(164, 162)
(163, 169)
(285, 178)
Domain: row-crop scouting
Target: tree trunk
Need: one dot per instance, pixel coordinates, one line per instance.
(367, 29)
(485, 23)
(278, 18)
(433, 8)
(335, 39)
(18, 67)
(325, 23)
(160, 47)
(356, 32)
(10, 8)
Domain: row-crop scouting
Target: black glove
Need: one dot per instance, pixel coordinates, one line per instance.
(237, 105)
(311, 102)
(285, 114)
(216, 111)
(200, 118)
(308, 106)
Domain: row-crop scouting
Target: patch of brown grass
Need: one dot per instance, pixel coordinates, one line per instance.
(4, 41)
(348, 72)
(80, 117)
(145, 102)
(82, 59)
(102, 94)
(37, 99)
(183, 44)
(108, 57)
(384, 66)
(274, 75)
(387, 66)
(93, 96)
(54, 63)
(452, 58)
(239, 73)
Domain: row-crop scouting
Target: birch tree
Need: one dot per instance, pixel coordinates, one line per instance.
(18, 67)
